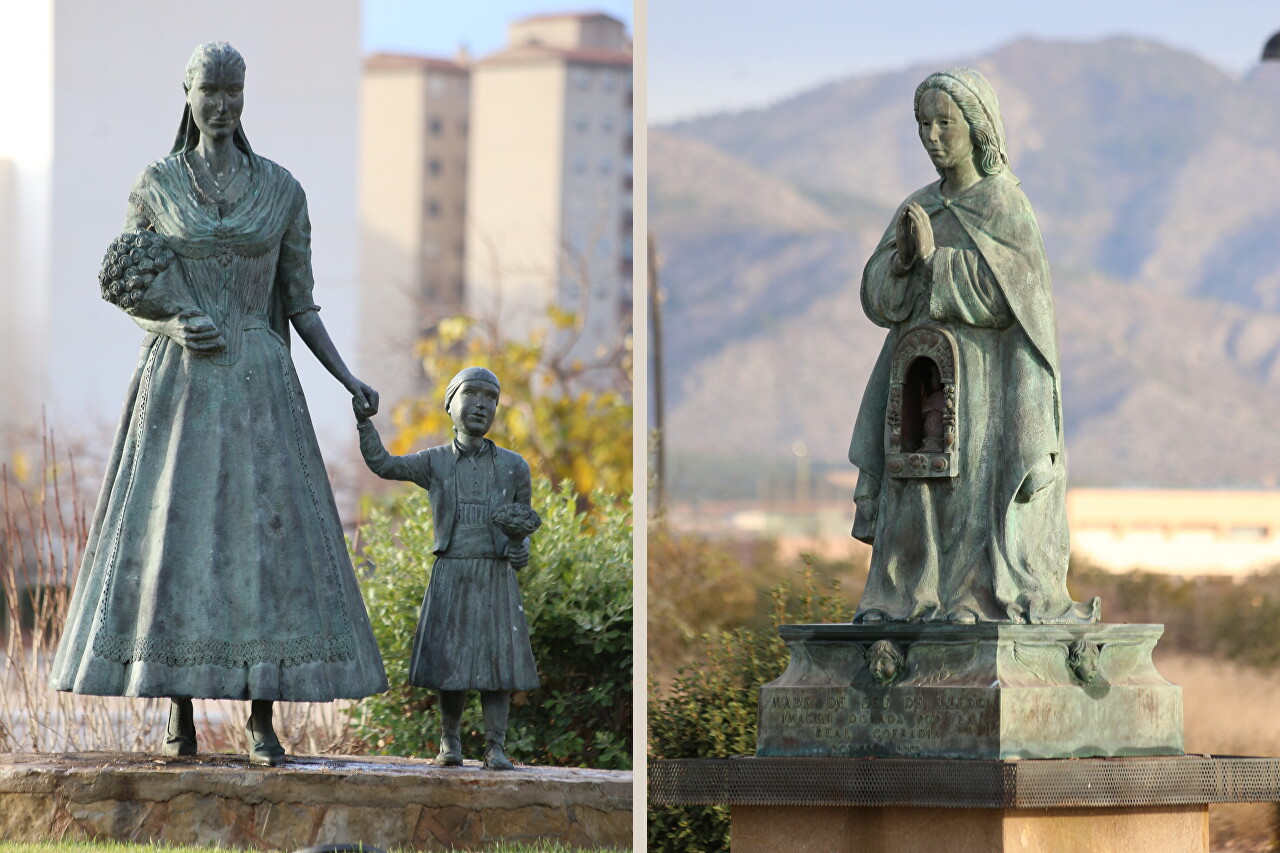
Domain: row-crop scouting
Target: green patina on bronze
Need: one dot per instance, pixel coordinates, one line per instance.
(472, 633)
(968, 643)
(958, 442)
(216, 565)
(993, 690)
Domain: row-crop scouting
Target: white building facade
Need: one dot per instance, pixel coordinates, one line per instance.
(415, 119)
(1178, 531)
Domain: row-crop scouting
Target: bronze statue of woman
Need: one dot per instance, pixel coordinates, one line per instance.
(216, 566)
(969, 526)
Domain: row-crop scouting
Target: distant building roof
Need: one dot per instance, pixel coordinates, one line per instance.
(578, 16)
(537, 53)
(404, 61)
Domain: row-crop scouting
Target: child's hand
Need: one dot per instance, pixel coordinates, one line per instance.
(518, 555)
(362, 410)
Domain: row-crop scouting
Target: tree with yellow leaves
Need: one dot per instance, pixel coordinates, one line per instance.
(570, 420)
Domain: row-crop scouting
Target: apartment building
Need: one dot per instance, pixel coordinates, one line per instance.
(550, 182)
(414, 129)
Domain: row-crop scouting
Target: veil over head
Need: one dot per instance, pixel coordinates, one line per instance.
(972, 82)
(188, 133)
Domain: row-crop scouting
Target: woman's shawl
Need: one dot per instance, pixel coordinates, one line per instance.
(164, 195)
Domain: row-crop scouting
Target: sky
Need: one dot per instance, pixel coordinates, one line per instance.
(708, 56)
(713, 55)
(438, 27)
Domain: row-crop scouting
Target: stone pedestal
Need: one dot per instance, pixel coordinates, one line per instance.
(991, 690)
(223, 801)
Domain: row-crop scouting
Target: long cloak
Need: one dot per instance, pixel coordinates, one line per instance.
(968, 546)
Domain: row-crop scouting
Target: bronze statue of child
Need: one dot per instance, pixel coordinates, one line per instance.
(472, 633)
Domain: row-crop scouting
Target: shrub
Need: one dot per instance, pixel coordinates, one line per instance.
(577, 599)
(1234, 618)
(702, 585)
(696, 587)
(710, 710)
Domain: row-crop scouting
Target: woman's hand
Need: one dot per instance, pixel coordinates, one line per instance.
(364, 400)
(312, 331)
(914, 235)
(190, 328)
(518, 555)
(921, 230)
(906, 243)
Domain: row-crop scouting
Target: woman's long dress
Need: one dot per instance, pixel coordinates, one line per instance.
(215, 566)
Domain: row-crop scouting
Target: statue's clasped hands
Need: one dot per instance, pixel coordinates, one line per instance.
(914, 235)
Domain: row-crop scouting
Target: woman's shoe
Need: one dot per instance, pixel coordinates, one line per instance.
(180, 733)
(264, 746)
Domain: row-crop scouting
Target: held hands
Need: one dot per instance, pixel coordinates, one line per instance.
(364, 400)
(518, 555)
(914, 235)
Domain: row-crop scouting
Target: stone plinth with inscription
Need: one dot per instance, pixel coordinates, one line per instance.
(991, 690)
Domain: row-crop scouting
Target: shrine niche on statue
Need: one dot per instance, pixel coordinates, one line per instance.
(921, 429)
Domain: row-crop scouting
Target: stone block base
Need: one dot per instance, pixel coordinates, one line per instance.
(991, 691)
(834, 829)
(384, 802)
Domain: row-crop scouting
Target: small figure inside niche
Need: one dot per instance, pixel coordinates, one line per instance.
(472, 633)
(934, 409)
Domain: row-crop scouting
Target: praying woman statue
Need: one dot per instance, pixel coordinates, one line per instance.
(962, 496)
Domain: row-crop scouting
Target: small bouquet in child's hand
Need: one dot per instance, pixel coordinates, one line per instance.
(517, 521)
(138, 273)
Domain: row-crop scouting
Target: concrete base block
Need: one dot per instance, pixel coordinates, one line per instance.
(843, 829)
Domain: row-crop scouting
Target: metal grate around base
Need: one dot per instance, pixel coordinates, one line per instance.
(950, 783)
(1162, 780)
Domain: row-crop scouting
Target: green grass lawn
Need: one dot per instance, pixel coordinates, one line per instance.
(112, 847)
